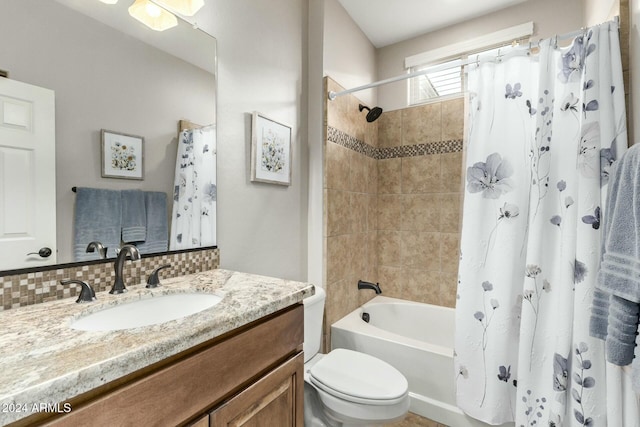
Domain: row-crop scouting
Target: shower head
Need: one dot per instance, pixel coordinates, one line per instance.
(373, 113)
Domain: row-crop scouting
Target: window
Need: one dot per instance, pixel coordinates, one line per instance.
(447, 77)
(448, 81)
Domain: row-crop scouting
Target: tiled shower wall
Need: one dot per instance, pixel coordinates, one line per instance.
(419, 202)
(392, 202)
(350, 189)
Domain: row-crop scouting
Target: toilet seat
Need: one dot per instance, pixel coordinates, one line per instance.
(359, 378)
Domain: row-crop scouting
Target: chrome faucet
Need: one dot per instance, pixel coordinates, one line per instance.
(99, 247)
(118, 284)
(368, 285)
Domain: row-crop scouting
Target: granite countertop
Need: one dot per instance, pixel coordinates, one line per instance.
(44, 361)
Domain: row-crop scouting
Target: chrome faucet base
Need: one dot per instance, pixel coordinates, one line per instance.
(117, 291)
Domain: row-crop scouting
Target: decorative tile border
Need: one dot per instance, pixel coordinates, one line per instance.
(341, 138)
(350, 142)
(19, 290)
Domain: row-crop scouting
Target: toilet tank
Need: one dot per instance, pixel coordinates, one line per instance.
(313, 312)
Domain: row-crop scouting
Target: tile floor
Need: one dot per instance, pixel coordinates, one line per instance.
(413, 420)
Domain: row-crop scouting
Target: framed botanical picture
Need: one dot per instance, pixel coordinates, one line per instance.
(122, 155)
(270, 150)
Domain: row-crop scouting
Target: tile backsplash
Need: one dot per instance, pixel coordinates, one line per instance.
(22, 289)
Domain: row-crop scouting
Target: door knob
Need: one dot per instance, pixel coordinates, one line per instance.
(43, 252)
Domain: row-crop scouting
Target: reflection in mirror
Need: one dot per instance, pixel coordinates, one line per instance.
(107, 71)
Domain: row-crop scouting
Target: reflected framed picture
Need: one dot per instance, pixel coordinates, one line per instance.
(122, 155)
(270, 150)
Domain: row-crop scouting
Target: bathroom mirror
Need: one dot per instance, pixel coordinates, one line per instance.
(110, 72)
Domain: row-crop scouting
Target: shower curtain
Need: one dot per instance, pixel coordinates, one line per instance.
(543, 132)
(193, 221)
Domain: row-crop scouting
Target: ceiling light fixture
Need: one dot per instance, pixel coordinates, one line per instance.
(152, 15)
(182, 7)
(109, 1)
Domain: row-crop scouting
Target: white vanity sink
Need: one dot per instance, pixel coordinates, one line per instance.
(146, 312)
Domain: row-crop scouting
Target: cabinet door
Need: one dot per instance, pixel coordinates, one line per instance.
(274, 400)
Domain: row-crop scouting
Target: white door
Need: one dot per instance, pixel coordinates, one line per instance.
(27, 176)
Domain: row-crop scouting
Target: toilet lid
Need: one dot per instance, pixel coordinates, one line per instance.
(359, 378)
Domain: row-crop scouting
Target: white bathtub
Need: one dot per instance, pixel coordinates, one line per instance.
(415, 338)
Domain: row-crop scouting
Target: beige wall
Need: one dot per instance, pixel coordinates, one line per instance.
(349, 56)
(550, 17)
(102, 80)
(598, 11)
(262, 228)
(316, 96)
(345, 54)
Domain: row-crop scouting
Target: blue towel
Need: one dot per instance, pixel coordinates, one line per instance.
(619, 274)
(599, 314)
(96, 218)
(134, 216)
(621, 333)
(620, 268)
(157, 239)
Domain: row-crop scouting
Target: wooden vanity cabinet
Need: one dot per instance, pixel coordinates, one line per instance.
(251, 377)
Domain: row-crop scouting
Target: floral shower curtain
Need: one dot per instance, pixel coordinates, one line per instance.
(543, 133)
(193, 221)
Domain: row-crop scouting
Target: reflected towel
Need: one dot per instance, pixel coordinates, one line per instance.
(134, 216)
(96, 218)
(157, 230)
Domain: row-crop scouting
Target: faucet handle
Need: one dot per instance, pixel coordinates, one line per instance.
(154, 280)
(87, 294)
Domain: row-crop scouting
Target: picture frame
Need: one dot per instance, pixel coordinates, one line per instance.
(270, 150)
(122, 155)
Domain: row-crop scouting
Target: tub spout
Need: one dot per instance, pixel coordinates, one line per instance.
(368, 285)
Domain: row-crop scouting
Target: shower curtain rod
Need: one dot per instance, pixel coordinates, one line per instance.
(525, 50)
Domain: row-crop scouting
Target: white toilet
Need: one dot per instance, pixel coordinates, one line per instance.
(345, 387)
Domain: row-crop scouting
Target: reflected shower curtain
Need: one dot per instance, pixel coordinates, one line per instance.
(193, 221)
(543, 133)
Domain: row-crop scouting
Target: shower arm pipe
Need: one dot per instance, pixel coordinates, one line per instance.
(469, 61)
